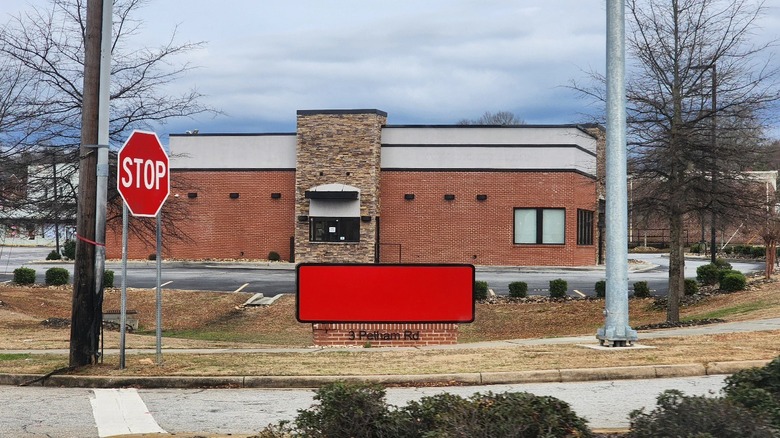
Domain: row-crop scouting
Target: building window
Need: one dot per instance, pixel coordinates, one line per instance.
(544, 226)
(584, 227)
(334, 229)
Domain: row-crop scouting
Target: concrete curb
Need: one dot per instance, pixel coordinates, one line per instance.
(454, 379)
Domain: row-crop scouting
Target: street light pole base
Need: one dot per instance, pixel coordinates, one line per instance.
(616, 336)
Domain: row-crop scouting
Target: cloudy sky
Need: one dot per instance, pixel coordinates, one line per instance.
(422, 61)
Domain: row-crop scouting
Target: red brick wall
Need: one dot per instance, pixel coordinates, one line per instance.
(430, 229)
(427, 229)
(220, 227)
(384, 335)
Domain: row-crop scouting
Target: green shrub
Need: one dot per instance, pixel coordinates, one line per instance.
(518, 289)
(708, 274)
(359, 410)
(678, 415)
(24, 275)
(510, 414)
(691, 286)
(344, 410)
(108, 278)
(747, 250)
(54, 255)
(152, 256)
(758, 252)
(480, 290)
(558, 288)
(69, 249)
(728, 250)
(601, 288)
(641, 289)
(733, 281)
(722, 264)
(57, 276)
(757, 389)
(274, 256)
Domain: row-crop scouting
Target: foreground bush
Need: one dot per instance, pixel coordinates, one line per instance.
(558, 288)
(360, 411)
(274, 256)
(57, 276)
(54, 255)
(677, 415)
(757, 389)
(518, 289)
(344, 410)
(480, 290)
(24, 276)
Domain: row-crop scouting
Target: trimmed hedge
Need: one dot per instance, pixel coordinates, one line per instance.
(24, 275)
(54, 255)
(558, 288)
(518, 289)
(57, 276)
(274, 256)
(708, 274)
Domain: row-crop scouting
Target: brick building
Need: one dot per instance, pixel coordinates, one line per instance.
(347, 187)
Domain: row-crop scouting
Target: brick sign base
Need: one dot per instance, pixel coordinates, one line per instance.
(385, 335)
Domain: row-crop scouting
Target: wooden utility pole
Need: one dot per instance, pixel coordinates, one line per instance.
(87, 305)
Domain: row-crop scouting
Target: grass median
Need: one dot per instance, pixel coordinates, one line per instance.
(217, 320)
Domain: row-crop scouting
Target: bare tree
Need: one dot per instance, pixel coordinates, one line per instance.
(500, 118)
(699, 95)
(45, 45)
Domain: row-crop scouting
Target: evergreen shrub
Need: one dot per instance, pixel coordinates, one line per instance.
(518, 289)
(558, 288)
(24, 275)
(57, 276)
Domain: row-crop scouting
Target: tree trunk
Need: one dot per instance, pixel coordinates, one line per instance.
(771, 253)
(676, 268)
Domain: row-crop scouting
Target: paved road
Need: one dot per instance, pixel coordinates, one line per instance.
(230, 277)
(69, 412)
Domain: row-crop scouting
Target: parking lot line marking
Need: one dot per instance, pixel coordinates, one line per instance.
(580, 293)
(122, 412)
(241, 288)
(166, 283)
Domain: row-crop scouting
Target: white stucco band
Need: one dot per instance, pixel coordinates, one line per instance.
(501, 148)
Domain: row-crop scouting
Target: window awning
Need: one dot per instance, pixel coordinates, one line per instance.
(311, 194)
(333, 191)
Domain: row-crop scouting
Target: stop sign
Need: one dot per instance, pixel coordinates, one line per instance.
(143, 177)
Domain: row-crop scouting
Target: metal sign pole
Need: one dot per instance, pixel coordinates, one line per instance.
(123, 304)
(159, 290)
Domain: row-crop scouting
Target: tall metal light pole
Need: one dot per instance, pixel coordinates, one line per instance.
(616, 331)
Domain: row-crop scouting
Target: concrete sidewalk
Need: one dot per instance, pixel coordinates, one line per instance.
(474, 378)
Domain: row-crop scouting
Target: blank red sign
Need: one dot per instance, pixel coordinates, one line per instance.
(371, 293)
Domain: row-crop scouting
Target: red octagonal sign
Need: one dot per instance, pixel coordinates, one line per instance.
(143, 178)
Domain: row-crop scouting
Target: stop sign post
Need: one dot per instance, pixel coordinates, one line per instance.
(144, 182)
(143, 177)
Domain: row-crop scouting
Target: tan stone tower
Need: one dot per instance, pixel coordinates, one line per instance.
(337, 202)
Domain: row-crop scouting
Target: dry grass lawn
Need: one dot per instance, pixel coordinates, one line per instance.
(216, 320)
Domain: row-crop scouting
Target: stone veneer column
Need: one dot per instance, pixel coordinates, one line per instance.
(338, 147)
